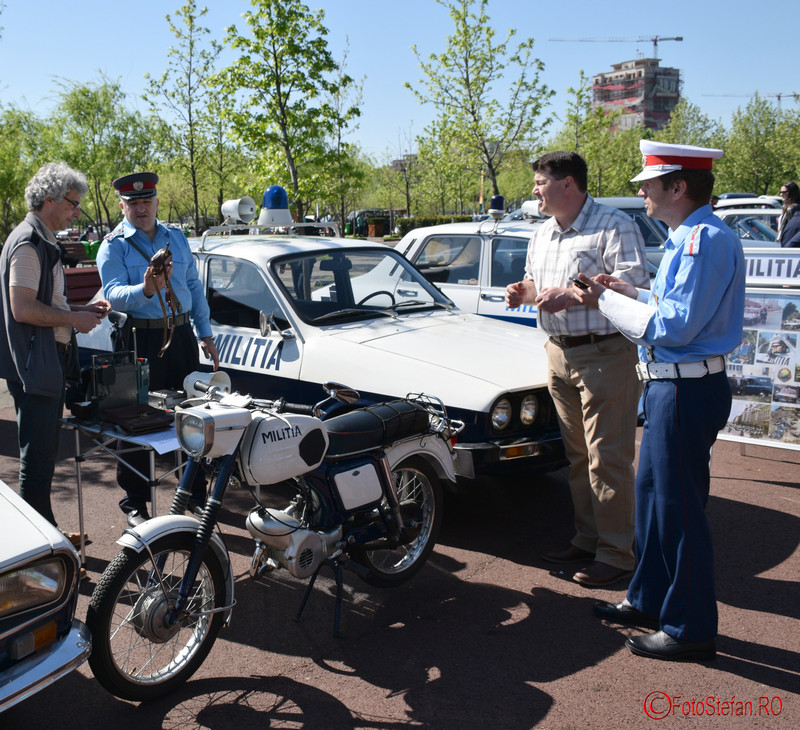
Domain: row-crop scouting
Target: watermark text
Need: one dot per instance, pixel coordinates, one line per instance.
(658, 705)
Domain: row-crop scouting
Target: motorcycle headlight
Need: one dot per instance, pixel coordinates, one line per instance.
(529, 410)
(212, 430)
(195, 434)
(31, 586)
(501, 414)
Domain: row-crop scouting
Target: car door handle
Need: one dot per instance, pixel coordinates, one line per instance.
(408, 292)
(492, 298)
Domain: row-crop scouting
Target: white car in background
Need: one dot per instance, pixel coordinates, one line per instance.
(756, 227)
(764, 201)
(473, 263)
(40, 639)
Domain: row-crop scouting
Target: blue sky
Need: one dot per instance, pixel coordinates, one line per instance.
(730, 50)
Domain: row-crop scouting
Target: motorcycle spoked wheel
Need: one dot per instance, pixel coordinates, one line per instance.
(420, 494)
(135, 655)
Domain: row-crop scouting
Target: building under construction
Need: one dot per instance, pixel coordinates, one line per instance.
(642, 90)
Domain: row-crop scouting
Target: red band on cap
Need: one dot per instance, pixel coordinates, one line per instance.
(136, 187)
(687, 163)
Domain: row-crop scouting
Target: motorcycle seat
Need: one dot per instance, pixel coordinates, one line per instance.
(375, 426)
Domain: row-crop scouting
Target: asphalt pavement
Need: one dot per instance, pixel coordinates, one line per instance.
(486, 636)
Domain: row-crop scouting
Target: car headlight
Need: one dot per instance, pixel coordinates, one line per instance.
(529, 410)
(32, 586)
(195, 434)
(501, 414)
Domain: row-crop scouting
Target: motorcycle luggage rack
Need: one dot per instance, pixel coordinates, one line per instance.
(440, 422)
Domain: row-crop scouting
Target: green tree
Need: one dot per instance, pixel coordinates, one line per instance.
(20, 157)
(182, 91)
(448, 172)
(459, 82)
(612, 154)
(92, 130)
(345, 176)
(688, 125)
(788, 138)
(228, 166)
(516, 178)
(285, 74)
(753, 160)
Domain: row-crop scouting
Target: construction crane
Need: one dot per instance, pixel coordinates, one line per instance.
(655, 39)
(791, 95)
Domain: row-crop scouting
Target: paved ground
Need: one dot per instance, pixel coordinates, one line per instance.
(485, 637)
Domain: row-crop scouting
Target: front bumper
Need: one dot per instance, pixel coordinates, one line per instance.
(504, 455)
(41, 669)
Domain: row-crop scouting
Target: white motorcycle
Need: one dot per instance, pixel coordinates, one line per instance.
(368, 498)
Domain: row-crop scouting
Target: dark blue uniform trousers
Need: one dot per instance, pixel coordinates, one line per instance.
(674, 576)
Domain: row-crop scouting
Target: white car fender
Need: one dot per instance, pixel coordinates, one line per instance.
(137, 538)
(431, 448)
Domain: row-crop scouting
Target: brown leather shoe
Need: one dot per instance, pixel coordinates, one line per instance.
(568, 554)
(75, 538)
(598, 574)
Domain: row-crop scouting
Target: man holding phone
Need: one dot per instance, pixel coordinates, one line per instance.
(592, 367)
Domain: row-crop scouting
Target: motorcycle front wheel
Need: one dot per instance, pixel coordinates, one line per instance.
(136, 654)
(419, 492)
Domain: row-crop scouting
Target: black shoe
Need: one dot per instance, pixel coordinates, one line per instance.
(664, 646)
(137, 516)
(568, 554)
(599, 574)
(624, 613)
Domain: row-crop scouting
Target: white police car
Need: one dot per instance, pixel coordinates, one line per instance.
(291, 312)
(473, 263)
(40, 639)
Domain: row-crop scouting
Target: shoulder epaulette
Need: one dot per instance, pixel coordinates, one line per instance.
(692, 247)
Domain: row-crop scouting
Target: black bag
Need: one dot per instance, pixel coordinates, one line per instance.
(138, 419)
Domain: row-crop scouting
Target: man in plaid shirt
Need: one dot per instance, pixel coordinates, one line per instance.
(592, 366)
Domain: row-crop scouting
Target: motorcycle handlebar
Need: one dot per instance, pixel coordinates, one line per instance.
(300, 408)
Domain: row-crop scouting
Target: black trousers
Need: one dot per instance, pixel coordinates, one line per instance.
(180, 359)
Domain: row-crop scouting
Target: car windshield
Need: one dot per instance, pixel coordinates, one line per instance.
(326, 287)
(753, 229)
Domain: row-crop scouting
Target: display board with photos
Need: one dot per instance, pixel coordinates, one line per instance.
(764, 370)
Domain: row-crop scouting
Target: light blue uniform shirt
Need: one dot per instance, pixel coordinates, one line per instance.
(122, 270)
(698, 292)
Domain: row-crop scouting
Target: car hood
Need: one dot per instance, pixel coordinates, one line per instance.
(475, 358)
(26, 535)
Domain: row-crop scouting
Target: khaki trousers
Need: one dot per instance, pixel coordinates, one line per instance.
(596, 394)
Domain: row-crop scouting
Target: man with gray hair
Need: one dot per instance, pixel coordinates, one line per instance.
(37, 325)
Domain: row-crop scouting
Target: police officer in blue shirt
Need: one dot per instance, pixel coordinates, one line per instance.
(684, 326)
(131, 285)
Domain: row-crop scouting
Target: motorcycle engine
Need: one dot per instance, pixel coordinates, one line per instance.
(297, 549)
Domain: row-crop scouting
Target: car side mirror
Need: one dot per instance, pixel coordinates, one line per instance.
(267, 325)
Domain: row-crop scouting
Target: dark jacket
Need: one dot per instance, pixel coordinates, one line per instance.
(28, 352)
(790, 236)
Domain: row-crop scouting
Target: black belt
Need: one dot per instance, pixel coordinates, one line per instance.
(152, 324)
(565, 341)
(64, 347)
